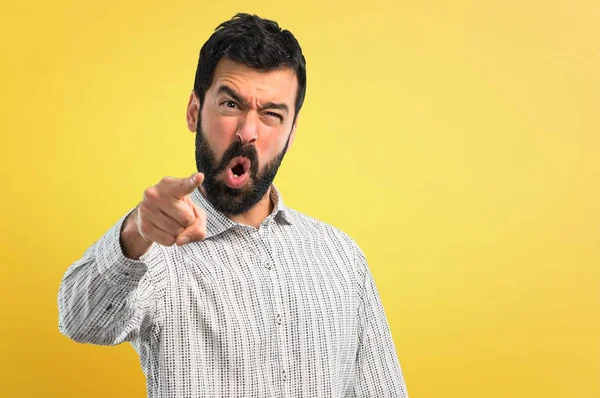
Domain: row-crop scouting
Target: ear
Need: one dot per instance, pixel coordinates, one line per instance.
(293, 133)
(191, 114)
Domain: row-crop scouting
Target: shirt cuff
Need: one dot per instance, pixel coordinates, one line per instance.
(112, 263)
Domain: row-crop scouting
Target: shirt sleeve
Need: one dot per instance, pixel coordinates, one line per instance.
(105, 298)
(379, 373)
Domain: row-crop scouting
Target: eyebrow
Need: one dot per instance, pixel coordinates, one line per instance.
(269, 105)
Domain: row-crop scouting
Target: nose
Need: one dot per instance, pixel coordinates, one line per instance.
(248, 130)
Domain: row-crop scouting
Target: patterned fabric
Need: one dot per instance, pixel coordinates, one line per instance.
(286, 310)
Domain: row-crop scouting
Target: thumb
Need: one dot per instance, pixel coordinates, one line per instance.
(196, 231)
(186, 186)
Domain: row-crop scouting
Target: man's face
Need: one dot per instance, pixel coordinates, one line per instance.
(242, 133)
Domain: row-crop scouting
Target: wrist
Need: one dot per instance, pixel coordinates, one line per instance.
(133, 244)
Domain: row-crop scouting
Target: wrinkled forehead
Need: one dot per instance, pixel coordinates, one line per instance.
(278, 85)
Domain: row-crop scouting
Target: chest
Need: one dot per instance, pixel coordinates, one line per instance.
(260, 296)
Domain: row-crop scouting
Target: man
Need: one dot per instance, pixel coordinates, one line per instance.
(221, 288)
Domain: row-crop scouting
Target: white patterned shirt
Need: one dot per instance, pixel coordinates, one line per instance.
(286, 310)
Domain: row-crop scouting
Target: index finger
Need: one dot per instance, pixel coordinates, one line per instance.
(185, 186)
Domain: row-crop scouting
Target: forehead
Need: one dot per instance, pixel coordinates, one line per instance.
(277, 85)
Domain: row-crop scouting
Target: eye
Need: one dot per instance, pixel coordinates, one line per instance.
(274, 115)
(229, 104)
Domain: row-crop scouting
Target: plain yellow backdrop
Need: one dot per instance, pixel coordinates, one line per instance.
(457, 142)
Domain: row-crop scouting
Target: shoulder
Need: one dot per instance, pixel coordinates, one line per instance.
(314, 229)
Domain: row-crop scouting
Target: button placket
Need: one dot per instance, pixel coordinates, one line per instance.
(277, 300)
(278, 314)
(263, 230)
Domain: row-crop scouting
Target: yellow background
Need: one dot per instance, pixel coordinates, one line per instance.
(456, 141)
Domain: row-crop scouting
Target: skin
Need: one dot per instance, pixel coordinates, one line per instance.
(249, 109)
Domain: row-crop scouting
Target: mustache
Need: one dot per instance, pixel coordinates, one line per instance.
(239, 149)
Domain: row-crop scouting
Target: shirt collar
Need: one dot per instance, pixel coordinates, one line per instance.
(217, 222)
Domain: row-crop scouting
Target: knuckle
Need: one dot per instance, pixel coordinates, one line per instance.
(150, 193)
(187, 218)
(165, 180)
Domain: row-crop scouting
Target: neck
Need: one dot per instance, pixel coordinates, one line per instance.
(257, 214)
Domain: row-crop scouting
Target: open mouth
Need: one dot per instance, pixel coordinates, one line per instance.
(237, 172)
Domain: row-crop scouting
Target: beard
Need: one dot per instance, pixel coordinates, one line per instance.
(228, 200)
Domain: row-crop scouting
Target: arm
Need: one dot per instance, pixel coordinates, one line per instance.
(378, 370)
(106, 298)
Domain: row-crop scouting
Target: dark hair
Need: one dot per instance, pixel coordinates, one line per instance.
(255, 42)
